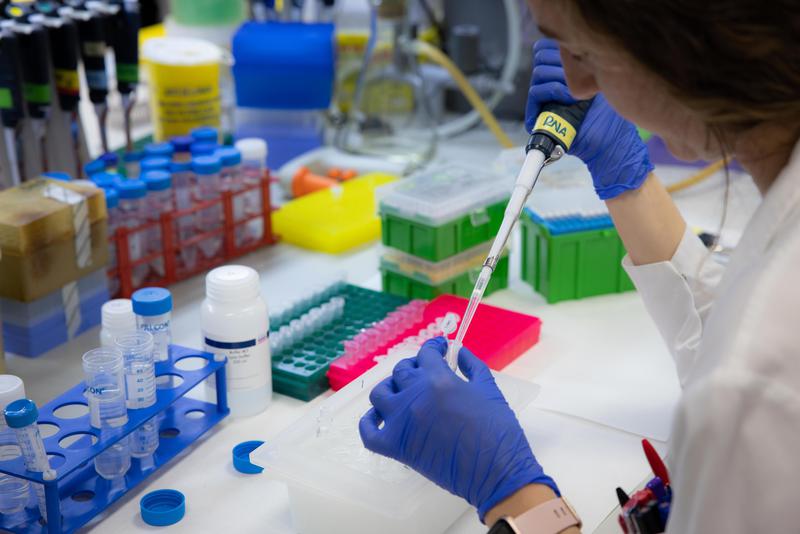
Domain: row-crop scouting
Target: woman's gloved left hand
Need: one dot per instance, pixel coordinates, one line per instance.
(460, 434)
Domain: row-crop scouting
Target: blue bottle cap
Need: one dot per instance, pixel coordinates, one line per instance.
(229, 156)
(151, 301)
(129, 157)
(61, 176)
(206, 165)
(110, 159)
(112, 198)
(21, 413)
(162, 508)
(182, 143)
(203, 148)
(157, 180)
(241, 458)
(94, 166)
(206, 133)
(131, 189)
(106, 180)
(154, 164)
(159, 150)
(180, 166)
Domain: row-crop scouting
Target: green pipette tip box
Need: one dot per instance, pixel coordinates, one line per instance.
(300, 370)
(412, 287)
(573, 265)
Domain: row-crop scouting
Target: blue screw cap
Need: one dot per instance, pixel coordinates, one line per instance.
(157, 180)
(182, 143)
(241, 458)
(205, 133)
(162, 508)
(110, 159)
(21, 413)
(112, 198)
(105, 180)
(154, 164)
(131, 189)
(94, 166)
(229, 156)
(180, 166)
(159, 150)
(206, 165)
(150, 301)
(133, 156)
(203, 148)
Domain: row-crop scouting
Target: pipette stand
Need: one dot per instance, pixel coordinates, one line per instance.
(78, 494)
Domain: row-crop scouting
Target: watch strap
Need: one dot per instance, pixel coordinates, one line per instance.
(551, 517)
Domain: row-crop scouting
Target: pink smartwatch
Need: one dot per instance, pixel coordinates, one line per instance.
(551, 517)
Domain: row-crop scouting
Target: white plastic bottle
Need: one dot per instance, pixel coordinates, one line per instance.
(235, 324)
(117, 319)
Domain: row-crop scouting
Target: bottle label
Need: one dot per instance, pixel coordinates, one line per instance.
(248, 361)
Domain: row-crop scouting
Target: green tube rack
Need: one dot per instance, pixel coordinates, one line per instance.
(300, 371)
(572, 265)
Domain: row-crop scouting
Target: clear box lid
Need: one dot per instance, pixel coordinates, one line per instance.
(442, 194)
(322, 452)
(435, 273)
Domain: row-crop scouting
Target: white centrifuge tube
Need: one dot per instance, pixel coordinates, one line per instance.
(21, 415)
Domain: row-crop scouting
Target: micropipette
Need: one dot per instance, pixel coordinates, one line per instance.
(553, 133)
(125, 42)
(12, 109)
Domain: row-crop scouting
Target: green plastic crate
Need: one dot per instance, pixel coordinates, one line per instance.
(436, 243)
(438, 213)
(572, 265)
(300, 370)
(412, 287)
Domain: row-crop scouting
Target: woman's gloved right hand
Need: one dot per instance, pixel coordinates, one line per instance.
(609, 145)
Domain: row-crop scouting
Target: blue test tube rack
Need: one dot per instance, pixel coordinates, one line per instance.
(78, 493)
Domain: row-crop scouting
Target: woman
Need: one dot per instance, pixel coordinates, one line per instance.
(714, 78)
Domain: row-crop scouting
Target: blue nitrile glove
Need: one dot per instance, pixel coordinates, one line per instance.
(610, 146)
(460, 434)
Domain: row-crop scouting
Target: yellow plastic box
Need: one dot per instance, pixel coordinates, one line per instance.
(333, 220)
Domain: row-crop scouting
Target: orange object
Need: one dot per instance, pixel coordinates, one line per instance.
(305, 182)
(335, 172)
(349, 174)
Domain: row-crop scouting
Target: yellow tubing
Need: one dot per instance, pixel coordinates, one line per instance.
(698, 177)
(435, 55)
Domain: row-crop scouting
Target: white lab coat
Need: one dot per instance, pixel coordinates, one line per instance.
(734, 332)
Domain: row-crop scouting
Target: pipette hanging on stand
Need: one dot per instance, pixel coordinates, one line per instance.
(64, 50)
(11, 104)
(125, 42)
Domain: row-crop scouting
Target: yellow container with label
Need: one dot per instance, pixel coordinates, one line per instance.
(184, 77)
(333, 220)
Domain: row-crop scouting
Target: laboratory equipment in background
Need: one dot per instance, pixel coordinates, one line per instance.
(79, 483)
(153, 309)
(52, 233)
(254, 169)
(215, 21)
(184, 78)
(209, 189)
(125, 25)
(391, 116)
(396, 110)
(33, 328)
(287, 115)
(117, 320)
(334, 220)
(321, 455)
(235, 325)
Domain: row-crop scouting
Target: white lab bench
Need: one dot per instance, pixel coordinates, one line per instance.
(606, 380)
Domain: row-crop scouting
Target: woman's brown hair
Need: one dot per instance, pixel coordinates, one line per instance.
(737, 62)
